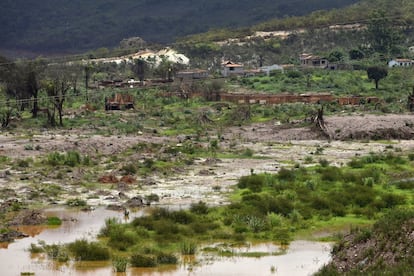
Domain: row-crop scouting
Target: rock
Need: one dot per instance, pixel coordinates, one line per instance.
(129, 179)
(206, 172)
(11, 235)
(108, 179)
(31, 217)
(136, 201)
(122, 195)
(149, 182)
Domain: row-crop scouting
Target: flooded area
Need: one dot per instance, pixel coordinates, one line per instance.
(301, 258)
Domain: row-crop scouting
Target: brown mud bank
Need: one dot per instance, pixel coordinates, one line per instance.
(344, 128)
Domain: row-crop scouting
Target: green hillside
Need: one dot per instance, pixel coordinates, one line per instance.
(335, 32)
(58, 26)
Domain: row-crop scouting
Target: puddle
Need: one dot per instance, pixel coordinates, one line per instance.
(301, 258)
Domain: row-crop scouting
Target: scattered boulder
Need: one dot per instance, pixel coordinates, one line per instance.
(11, 235)
(206, 172)
(149, 182)
(7, 205)
(29, 217)
(135, 202)
(211, 161)
(122, 195)
(129, 179)
(108, 179)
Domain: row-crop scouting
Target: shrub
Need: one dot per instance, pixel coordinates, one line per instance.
(405, 185)
(188, 248)
(286, 174)
(129, 169)
(363, 195)
(72, 158)
(248, 152)
(253, 182)
(293, 74)
(120, 237)
(119, 264)
(392, 200)
(123, 239)
(166, 227)
(146, 222)
(331, 174)
(54, 221)
(56, 252)
(28, 147)
(323, 162)
(76, 202)
(319, 203)
(161, 213)
(182, 217)
(275, 220)
(36, 249)
(166, 258)
(203, 227)
(142, 260)
(363, 235)
(199, 208)
(88, 251)
(22, 163)
(152, 198)
(279, 205)
(255, 223)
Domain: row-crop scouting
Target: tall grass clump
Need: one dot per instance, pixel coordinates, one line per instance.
(56, 252)
(143, 260)
(199, 208)
(188, 248)
(119, 263)
(84, 250)
(120, 236)
(166, 258)
(71, 159)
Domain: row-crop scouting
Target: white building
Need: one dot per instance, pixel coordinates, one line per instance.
(400, 62)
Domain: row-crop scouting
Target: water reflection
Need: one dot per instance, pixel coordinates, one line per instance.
(301, 258)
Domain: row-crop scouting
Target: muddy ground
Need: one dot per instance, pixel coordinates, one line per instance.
(207, 179)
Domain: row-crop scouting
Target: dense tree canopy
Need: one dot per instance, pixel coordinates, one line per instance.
(377, 73)
(58, 25)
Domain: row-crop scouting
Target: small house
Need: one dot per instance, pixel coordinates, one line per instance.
(308, 60)
(229, 68)
(400, 62)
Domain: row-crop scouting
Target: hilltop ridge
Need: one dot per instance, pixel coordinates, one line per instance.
(57, 26)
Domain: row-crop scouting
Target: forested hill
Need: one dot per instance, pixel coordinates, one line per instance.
(72, 26)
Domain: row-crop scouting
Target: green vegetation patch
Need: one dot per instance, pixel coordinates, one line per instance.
(54, 221)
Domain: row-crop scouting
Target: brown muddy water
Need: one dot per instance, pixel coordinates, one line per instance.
(301, 258)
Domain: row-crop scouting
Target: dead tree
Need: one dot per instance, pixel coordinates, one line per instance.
(5, 115)
(410, 101)
(57, 90)
(320, 122)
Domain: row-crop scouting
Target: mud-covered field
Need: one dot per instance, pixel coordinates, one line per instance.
(209, 179)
